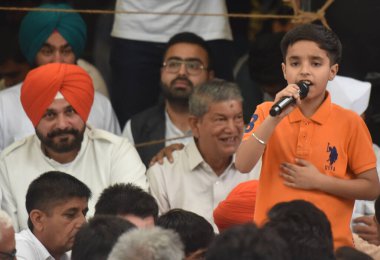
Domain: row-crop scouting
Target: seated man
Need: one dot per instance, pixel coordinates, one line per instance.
(57, 205)
(7, 237)
(203, 173)
(186, 64)
(57, 98)
(61, 38)
(96, 238)
(128, 202)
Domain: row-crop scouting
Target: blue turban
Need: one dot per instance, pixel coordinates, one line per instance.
(36, 28)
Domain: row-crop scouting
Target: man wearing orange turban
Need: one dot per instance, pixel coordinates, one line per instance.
(238, 207)
(57, 98)
(48, 37)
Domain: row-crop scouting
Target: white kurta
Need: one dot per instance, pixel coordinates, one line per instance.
(15, 124)
(190, 183)
(30, 248)
(104, 159)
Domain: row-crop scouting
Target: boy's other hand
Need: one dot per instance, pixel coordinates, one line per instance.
(366, 228)
(302, 175)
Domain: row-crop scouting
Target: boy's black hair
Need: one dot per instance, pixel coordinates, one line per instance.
(304, 227)
(349, 253)
(122, 199)
(191, 38)
(326, 40)
(96, 238)
(248, 242)
(52, 188)
(195, 231)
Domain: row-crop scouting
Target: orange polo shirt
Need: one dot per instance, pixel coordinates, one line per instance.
(334, 140)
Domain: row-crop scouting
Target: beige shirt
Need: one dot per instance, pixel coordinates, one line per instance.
(104, 159)
(190, 183)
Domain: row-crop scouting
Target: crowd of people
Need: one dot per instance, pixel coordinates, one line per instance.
(90, 171)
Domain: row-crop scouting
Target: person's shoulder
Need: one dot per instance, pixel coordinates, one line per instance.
(16, 146)
(100, 135)
(13, 91)
(166, 166)
(344, 113)
(150, 112)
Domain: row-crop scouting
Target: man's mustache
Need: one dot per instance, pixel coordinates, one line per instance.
(182, 79)
(59, 132)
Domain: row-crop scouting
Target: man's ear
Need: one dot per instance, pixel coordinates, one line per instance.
(211, 74)
(193, 122)
(37, 217)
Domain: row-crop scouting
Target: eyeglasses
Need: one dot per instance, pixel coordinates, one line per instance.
(193, 67)
(7, 255)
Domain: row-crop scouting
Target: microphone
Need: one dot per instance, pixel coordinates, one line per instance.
(284, 102)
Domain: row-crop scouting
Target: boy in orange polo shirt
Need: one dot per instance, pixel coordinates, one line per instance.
(313, 150)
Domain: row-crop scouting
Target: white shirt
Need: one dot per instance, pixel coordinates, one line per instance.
(171, 131)
(104, 159)
(190, 183)
(15, 124)
(30, 248)
(159, 28)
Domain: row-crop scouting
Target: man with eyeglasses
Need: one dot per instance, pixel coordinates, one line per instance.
(187, 63)
(7, 237)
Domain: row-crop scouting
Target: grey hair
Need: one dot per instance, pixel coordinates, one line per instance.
(213, 91)
(5, 222)
(148, 244)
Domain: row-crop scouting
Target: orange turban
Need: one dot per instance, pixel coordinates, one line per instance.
(238, 207)
(43, 83)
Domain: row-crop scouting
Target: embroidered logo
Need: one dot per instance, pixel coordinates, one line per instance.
(251, 123)
(333, 156)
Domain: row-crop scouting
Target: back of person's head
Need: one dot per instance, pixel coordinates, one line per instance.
(148, 244)
(195, 231)
(125, 199)
(191, 38)
(213, 91)
(350, 253)
(247, 242)
(96, 238)
(305, 228)
(52, 188)
(325, 39)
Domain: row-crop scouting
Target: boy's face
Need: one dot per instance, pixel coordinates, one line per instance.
(305, 61)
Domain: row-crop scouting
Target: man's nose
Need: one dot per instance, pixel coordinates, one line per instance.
(182, 69)
(61, 121)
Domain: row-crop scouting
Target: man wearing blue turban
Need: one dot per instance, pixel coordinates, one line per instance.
(38, 27)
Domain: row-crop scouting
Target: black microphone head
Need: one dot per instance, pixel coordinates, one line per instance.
(304, 89)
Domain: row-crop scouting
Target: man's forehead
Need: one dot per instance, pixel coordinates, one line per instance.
(186, 51)
(59, 103)
(56, 40)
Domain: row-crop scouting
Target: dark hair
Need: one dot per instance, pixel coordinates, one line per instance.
(350, 253)
(305, 228)
(50, 189)
(326, 40)
(377, 209)
(122, 199)
(195, 231)
(191, 38)
(96, 238)
(248, 242)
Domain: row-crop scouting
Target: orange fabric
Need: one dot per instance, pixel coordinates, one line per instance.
(238, 207)
(42, 84)
(314, 139)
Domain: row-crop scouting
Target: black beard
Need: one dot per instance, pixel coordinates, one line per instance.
(177, 97)
(63, 146)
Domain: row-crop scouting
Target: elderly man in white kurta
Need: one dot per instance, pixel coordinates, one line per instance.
(57, 98)
(204, 173)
